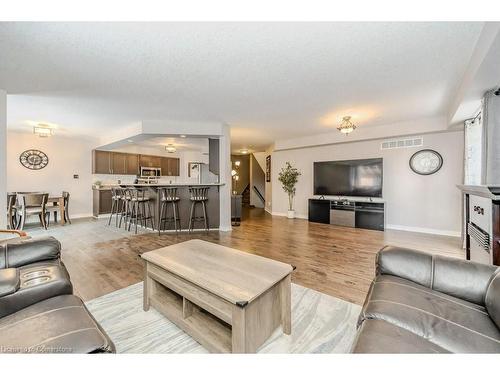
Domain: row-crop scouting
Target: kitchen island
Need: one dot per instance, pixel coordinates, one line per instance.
(153, 192)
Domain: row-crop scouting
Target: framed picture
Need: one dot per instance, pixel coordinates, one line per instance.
(268, 168)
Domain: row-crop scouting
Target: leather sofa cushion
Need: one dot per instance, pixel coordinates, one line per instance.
(462, 278)
(59, 324)
(55, 281)
(453, 324)
(9, 281)
(492, 300)
(17, 254)
(409, 264)
(378, 336)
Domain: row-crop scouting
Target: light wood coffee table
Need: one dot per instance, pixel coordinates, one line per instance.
(227, 300)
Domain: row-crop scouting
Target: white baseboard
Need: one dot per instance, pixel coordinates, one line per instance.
(297, 216)
(439, 232)
(391, 226)
(80, 216)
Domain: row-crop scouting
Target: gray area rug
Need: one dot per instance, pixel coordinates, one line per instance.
(320, 324)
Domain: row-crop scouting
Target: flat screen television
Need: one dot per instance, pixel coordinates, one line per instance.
(355, 178)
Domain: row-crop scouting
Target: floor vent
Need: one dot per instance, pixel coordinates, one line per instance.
(401, 143)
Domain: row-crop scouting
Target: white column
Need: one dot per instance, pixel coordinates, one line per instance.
(225, 178)
(3, 159)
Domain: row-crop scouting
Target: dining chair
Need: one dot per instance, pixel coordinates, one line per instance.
(29, 205)
(66, 196)
(11, 210)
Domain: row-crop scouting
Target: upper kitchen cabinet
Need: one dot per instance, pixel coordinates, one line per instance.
(170, 166)
(174, 166)
(150, 161)
(213, 155)
(101, 162)
(118, 163)
(132, 164)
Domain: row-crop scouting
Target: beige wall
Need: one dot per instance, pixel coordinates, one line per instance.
(413, 202)
(67, 156)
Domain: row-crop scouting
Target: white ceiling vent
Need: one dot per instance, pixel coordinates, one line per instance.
(402, 143)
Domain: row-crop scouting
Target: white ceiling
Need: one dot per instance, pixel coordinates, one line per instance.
(158, 143)
(267, 80)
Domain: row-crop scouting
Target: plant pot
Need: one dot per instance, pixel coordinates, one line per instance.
(291, 214)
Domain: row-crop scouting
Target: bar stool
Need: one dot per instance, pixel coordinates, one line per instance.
(137, 208)
(126, 198)
(116, 204)
(198, 195)
(169, 196)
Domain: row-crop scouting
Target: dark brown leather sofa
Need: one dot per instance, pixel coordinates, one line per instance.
(38, 311)
(419, 303)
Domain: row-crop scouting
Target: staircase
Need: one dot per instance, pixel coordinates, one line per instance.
(246, 196)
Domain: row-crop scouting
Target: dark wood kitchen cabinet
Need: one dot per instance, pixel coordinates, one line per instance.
(101, 202)
(133, 164)
(150, 161)
(170, 166)
(101, 162)
(118, 163)
(121, 163)
(174, 166)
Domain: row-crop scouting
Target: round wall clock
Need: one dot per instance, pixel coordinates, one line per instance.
(426, 162)
(34, 159)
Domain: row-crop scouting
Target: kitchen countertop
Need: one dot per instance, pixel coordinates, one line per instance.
(163, 185)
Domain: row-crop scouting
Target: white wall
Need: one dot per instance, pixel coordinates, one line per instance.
(413, 202)
(3, 157)
(67, 156)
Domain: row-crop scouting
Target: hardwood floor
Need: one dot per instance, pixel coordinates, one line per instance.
(337, 261)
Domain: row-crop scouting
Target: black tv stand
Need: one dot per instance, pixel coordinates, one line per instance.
(347, 212)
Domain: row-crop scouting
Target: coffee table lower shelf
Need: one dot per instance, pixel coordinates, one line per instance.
(218, 325)
(211, 332)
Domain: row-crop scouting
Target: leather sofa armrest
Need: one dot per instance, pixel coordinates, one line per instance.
(9, 281)
(462, 278)
(17, 254)
(409, 264)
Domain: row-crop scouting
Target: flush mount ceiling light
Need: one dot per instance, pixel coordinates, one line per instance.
(346, 126)
(183, 136)
(170, 148)
(42, 131)
(244, 151)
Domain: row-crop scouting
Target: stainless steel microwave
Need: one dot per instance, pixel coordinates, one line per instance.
(150, 172)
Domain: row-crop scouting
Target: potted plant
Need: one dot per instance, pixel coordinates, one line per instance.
(289, 177)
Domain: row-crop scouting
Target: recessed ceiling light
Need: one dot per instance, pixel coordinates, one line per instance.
(130, 141)
(183, 136)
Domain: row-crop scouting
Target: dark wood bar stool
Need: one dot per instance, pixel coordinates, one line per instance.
(199, 195)
(116, 204)
(137, 208)
(169, 197)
